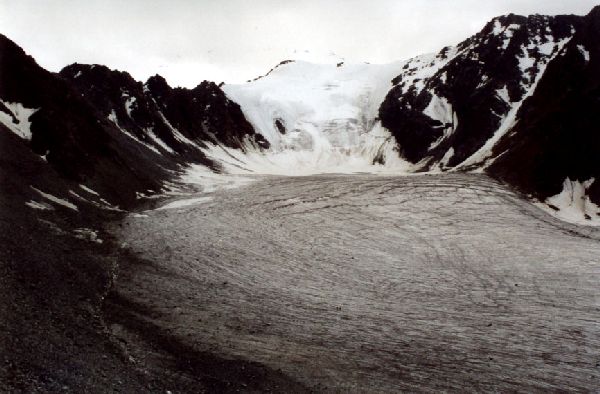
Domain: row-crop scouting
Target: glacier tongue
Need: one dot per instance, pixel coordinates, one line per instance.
(318, 118)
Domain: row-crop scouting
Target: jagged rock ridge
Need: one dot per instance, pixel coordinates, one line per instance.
(103, 129)
(518, 100)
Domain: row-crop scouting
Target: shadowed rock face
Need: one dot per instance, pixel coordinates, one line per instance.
(102, 128)
(200, 114)
(64, 166)
(558, 133)
(77, 141)
(527, 86)
(479, 67)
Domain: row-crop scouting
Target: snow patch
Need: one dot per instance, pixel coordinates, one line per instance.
(585, 53)
(526, 62)
(547, 48)
(39, 205)
(441, 110)
(508, 34)
(87, 189)
(572, 204)
(113, 118)
(103, 203)
(185, 203)
(446, 158)
(176, 133)
(503, 94)
(129, 105)
(157, 140)
(56, 200)
(18, 121)
(87, 234)
(418, 70)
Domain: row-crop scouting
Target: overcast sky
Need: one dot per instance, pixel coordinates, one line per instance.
(234, 40)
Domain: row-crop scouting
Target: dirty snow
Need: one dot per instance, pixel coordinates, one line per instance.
(378, 284)
(210, 181)
(87, 234)
(186, 202)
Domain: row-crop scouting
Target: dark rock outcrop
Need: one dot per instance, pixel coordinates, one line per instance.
(102, 128)
(558, 133)
(71, 151)
(508, 54)
(181, 119)
(78, 142)
(519, 99)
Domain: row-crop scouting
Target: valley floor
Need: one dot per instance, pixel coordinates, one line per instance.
(366, 283)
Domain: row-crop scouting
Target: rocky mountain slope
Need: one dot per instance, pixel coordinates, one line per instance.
(71, 159)
(100, 127)
(518, 100)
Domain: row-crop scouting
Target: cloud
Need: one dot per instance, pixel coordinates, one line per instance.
(236, 40)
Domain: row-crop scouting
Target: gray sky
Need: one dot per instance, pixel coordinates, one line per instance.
(234, 40)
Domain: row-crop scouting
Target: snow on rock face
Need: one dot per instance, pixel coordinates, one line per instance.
(503, 94)
(317, 118)
(573, 204)
(482, 156)
(113, 118)
(467, 97)
(16, 117)
(439, 109)
(556, 132)
(39, 205)
(150, 132)
(417, 70)
(584, 52)
(129, 104)
(56, 200)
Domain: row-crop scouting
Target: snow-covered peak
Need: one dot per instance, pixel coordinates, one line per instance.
(318, 117)
(317, 57)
